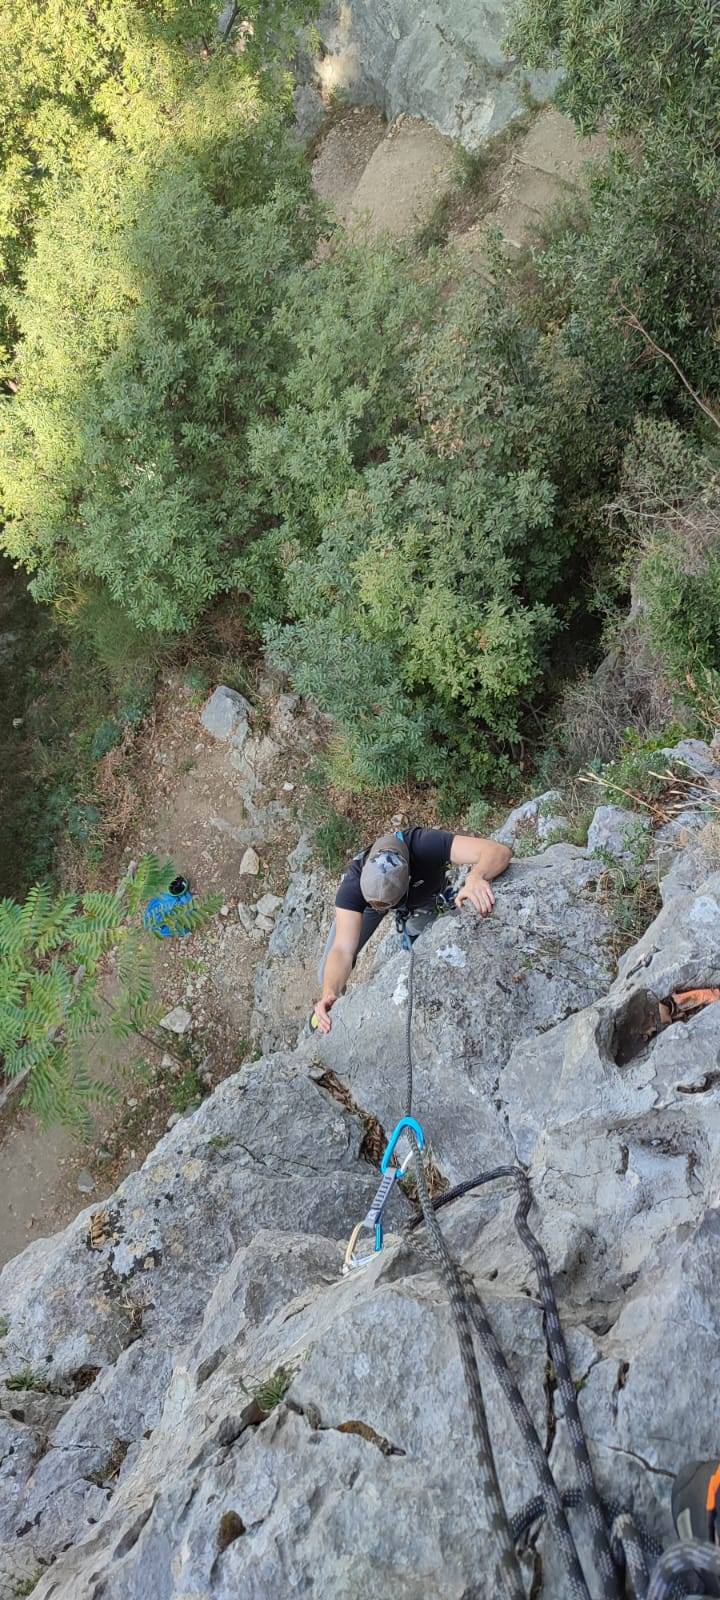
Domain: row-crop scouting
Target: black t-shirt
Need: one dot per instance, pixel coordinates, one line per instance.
(429, 857)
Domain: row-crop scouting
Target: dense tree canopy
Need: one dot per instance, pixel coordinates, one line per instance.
(75, 71)
(68, 70)
(398, 471)
(648, 67)
(148, 348)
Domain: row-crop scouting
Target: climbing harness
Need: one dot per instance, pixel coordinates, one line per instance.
(619, 1554)
(412, 923)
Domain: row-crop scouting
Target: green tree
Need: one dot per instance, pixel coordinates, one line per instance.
(53, 1004)
(73, 72)
(651, 69)
(149, 348)
(69, 71)
(427, 614)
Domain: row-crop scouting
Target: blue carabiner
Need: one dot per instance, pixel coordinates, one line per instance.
(405, 1122)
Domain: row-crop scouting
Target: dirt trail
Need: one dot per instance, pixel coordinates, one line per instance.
(390, 179)
(201, 805)
(545, 165)
(383, 179)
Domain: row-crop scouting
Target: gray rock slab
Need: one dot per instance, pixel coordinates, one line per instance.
(226, 716)
(617, 832)
(216, 1411)
(480, 985)
(269, 1148)
(442, 61)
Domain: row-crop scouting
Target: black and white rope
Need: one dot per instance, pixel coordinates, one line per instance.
(619, 1557)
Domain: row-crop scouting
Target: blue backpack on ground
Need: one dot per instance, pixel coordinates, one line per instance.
(159, 912)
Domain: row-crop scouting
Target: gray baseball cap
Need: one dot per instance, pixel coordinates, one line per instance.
(385, 876)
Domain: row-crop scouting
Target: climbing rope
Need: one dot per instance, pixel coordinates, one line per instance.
(590, 1499)
(689, 1559)
(498, 1363)
(618, 1552)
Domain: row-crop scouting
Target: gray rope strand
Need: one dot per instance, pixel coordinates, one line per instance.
(687, 1559)
(551, 1499)
(558, 1350)
(629, 1553)
(490, 1486)
(499, 1525)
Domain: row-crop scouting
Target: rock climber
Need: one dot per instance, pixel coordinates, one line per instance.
(405, 872)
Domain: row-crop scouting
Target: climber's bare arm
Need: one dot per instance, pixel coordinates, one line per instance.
(348, 925)
(486, 859)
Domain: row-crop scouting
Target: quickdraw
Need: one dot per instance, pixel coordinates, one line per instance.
(373, 1221)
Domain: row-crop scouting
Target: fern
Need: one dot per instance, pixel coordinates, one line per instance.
(52, 1008)
(134, 966)
(150, 879)
(56, 926)
(184, 919)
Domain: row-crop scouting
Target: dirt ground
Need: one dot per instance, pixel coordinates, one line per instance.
(178, 793)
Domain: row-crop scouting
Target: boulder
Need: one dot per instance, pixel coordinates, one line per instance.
(226, 715)
(698, 757)
(268, 905)
(176, 1021)
(536, 820)
(618, 834)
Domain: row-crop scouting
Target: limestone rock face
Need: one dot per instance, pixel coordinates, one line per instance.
(288, 982)
(441, 60)
(195, 1402)
(481, 985)
(617, 833)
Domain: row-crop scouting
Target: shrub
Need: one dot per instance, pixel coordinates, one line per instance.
(648, 249)
(652, 70)
(334, 838)
(670, 502)
(148, 349)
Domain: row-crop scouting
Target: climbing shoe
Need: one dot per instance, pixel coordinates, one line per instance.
(696, 1501)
